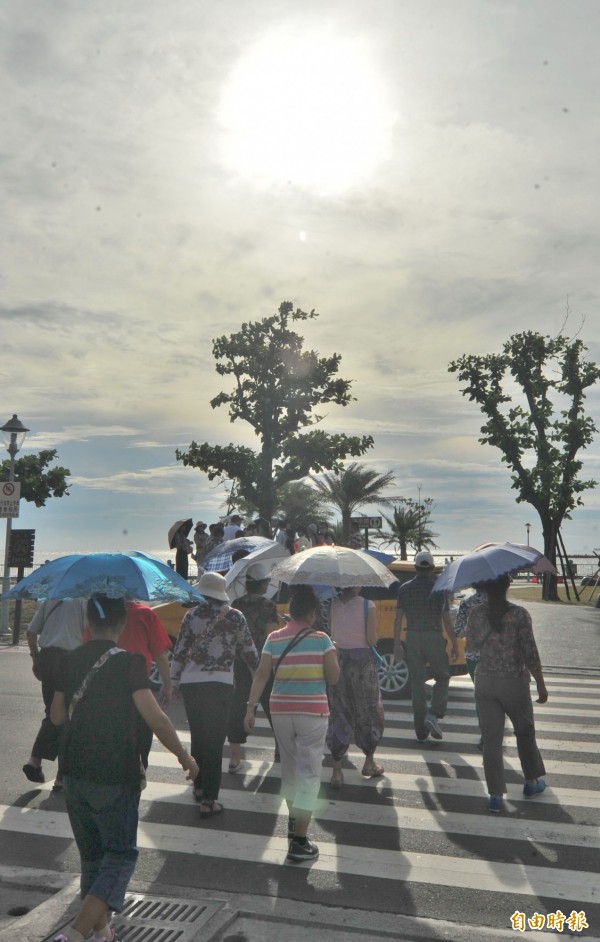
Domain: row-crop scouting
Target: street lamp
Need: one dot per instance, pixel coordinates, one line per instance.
(14, 433)
(528, 528)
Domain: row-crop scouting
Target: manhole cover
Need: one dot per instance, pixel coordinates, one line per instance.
(160, 919)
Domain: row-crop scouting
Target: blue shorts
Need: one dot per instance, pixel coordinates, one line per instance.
(104, 819)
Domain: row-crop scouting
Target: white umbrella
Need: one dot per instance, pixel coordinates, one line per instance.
(337, 566)
(235, 579)
(489, 561)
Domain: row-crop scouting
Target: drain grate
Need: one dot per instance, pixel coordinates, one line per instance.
(148, 918)
(160, 919)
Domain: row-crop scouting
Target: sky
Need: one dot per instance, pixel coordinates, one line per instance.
(423, 174)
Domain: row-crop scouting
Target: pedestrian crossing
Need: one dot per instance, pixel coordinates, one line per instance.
(420, 839)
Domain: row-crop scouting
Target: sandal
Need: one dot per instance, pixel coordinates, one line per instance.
(210, 808)
(337, 781)
(372, 771)
(197, 793)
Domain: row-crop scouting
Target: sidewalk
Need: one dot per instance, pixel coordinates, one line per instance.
(196, 915)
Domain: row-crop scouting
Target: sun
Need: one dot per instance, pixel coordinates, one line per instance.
(312, 110)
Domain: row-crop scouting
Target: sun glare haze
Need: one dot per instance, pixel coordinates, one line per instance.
(309, 110)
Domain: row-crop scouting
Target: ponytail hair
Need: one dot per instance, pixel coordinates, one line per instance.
(105, 614)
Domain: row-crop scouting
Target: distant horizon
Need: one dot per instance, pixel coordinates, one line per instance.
(164, 555)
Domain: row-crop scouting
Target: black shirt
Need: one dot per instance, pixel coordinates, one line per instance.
(101, 742)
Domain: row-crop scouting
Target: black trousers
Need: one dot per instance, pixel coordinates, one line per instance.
(47, 741)
(207, 708)
(242, 682)
(181, 563)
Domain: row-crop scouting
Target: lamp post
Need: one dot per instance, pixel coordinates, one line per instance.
(14, 433)
(528, 528)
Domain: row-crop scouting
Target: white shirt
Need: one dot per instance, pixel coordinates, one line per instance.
(230, 531)
(59, 623)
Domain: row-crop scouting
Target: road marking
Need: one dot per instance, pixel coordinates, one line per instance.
(424, 783)
(438, 870)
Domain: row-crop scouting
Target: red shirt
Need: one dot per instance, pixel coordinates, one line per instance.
(143, 633)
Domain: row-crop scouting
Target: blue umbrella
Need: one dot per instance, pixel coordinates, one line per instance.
(385, 558)
(489, 561)
(118, 575)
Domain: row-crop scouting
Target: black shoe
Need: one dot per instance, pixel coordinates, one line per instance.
(299, 852)
(431, 722)
(34, 774)
(422, 734)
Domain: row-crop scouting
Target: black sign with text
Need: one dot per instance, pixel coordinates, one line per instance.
(20, 551)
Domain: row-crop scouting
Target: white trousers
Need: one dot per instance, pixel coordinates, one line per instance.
(301, 741)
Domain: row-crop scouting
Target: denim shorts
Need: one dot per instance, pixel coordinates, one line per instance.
(104, 820)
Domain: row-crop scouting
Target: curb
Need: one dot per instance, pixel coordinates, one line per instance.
(263, 918)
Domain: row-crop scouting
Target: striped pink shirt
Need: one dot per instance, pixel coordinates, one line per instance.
(299, 684)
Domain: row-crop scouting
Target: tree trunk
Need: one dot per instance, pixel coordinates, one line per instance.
(266, 489)
(549, 529)
(346, 527)
(403, 549)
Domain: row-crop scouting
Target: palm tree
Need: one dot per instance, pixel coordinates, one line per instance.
(409, 526)
(351, 488)
(299, 504)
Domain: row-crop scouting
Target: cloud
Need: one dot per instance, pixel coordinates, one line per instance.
(128, 246)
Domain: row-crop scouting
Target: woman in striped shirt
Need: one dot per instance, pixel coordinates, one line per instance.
(304, 661)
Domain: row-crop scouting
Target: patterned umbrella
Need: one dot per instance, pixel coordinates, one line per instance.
(117, 575)
(337, 566)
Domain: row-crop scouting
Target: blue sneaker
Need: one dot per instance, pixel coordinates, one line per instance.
(495, 803)
(530, 790)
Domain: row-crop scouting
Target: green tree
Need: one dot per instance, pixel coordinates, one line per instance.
(409, 525)
(351, 488)
(38, 481)
(541, 432)
(277, 387)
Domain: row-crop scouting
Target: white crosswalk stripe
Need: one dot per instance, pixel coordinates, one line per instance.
(436, 790)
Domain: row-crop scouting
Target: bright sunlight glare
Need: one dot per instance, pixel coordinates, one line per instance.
(312, 111)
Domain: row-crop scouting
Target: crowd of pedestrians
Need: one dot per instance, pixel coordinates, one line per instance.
(318, 688)
(206, 537)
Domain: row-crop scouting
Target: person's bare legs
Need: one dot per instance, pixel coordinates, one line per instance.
(337, 777)
(93, 915)
(371, 765)
(301, 818)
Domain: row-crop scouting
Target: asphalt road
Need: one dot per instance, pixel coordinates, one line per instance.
(568, 641)
(568, 636)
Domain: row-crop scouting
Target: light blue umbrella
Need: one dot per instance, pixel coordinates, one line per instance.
(117, 575)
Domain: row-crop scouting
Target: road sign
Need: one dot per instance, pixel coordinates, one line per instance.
(10, 492)
(367, 523)
(20, 551)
